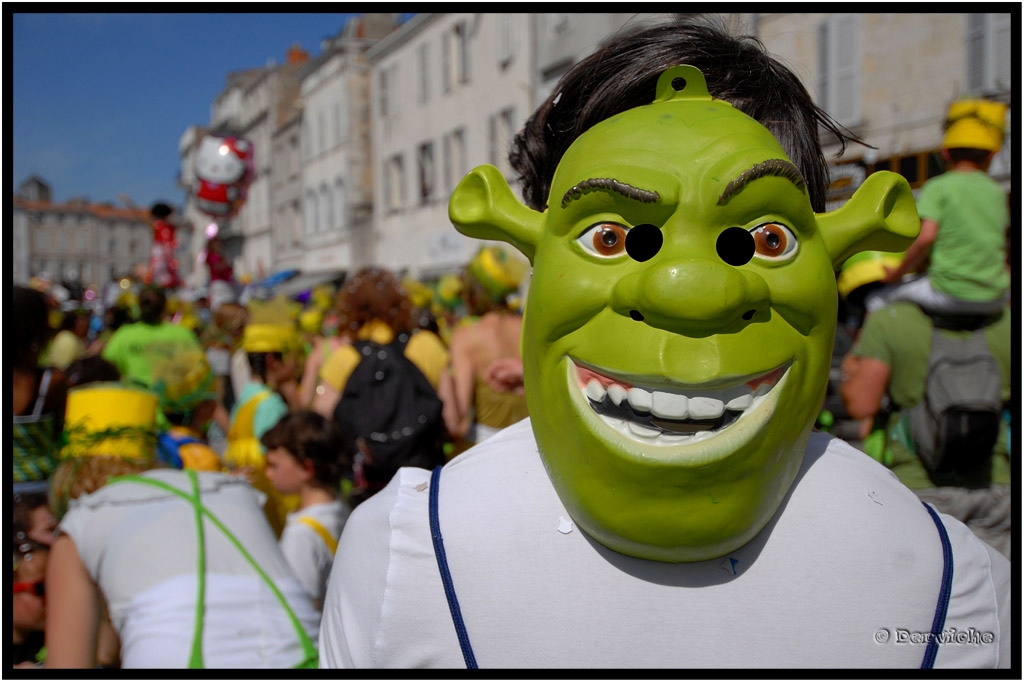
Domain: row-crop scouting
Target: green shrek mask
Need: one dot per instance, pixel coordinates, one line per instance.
(679, 324)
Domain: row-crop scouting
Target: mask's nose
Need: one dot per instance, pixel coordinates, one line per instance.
(695, 296)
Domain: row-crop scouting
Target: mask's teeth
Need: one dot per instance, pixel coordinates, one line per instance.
(706, 408)
(639, 399)
(643, 431)
(740, 403)
(665, 418)
(595, 391)
(669, 405)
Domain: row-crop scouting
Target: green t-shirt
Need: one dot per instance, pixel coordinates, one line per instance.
(900, 336)
(137, 348)
(968, 258)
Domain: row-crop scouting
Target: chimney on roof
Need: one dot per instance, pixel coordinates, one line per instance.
(296, 54)
(376, 25)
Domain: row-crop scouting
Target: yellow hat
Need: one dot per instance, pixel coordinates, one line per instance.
(183, 381)
(322, 297)
(111, 420)
(496, 271)
(447, 292)
(310, 320)
(975, 124)
(271, 327)
(268, 338)
(419, 293)
(864, 268)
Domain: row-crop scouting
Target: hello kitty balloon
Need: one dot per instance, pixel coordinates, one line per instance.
(224, 169)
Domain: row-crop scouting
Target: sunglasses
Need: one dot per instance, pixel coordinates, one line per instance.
(37, 588)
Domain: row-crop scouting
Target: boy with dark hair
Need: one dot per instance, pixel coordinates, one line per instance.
(305, 457)
(667, 503)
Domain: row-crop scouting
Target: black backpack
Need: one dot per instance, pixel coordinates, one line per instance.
(956, 424)
(390, 416)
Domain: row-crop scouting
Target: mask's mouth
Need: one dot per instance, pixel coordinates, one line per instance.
(654, 413)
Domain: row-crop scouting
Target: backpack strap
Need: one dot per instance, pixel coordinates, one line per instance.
(44, 387)
(310, 655)
(446, 576)
(319, 529)
(939, 621)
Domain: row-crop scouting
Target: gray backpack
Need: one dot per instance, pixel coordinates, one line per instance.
(956, 424)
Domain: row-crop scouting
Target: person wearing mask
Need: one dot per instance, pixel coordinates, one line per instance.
(677, 342)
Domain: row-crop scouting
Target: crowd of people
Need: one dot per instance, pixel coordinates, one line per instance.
(231, 422)
(232, 484)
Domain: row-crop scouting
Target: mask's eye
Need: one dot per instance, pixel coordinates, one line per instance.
(773, 241)
(604, 239)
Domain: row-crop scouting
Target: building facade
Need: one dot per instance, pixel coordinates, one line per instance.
(386, 129)
(890, 78)
(76, 243)
(335, 149)
(447, 93)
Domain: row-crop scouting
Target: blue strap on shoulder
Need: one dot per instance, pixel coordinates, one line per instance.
(939, 621)
(446, 576)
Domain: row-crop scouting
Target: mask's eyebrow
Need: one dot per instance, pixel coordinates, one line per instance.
(779, 167)
(628, 191)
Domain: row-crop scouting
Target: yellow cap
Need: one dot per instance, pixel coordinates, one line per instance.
(310, 320)
(447, 291)
(183, 380)
(111, 420)
(271, 327)
(864, 268)
(496, 271)
(268, 338)
(975, 124)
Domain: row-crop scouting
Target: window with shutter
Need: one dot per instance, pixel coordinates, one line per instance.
(506, 40)
(975, 52)
(839, 66)
(988, 44)
(454, 159)
(327, 212)
(425, 162)
(1001, 37)
(339, 192)
(423, 70)
(394, 184)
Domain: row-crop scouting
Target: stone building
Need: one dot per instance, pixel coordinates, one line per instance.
(445, 92)
(80, 244)
(334, 143)
(889, 78)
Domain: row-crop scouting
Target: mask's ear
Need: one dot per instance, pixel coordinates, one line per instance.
(483, 206)
(880, 216)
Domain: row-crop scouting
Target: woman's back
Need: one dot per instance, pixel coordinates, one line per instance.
(140, 543)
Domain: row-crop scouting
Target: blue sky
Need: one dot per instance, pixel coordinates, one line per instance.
(101, 100)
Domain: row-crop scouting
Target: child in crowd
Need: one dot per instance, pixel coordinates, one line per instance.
(270, 341)
(305, 457)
